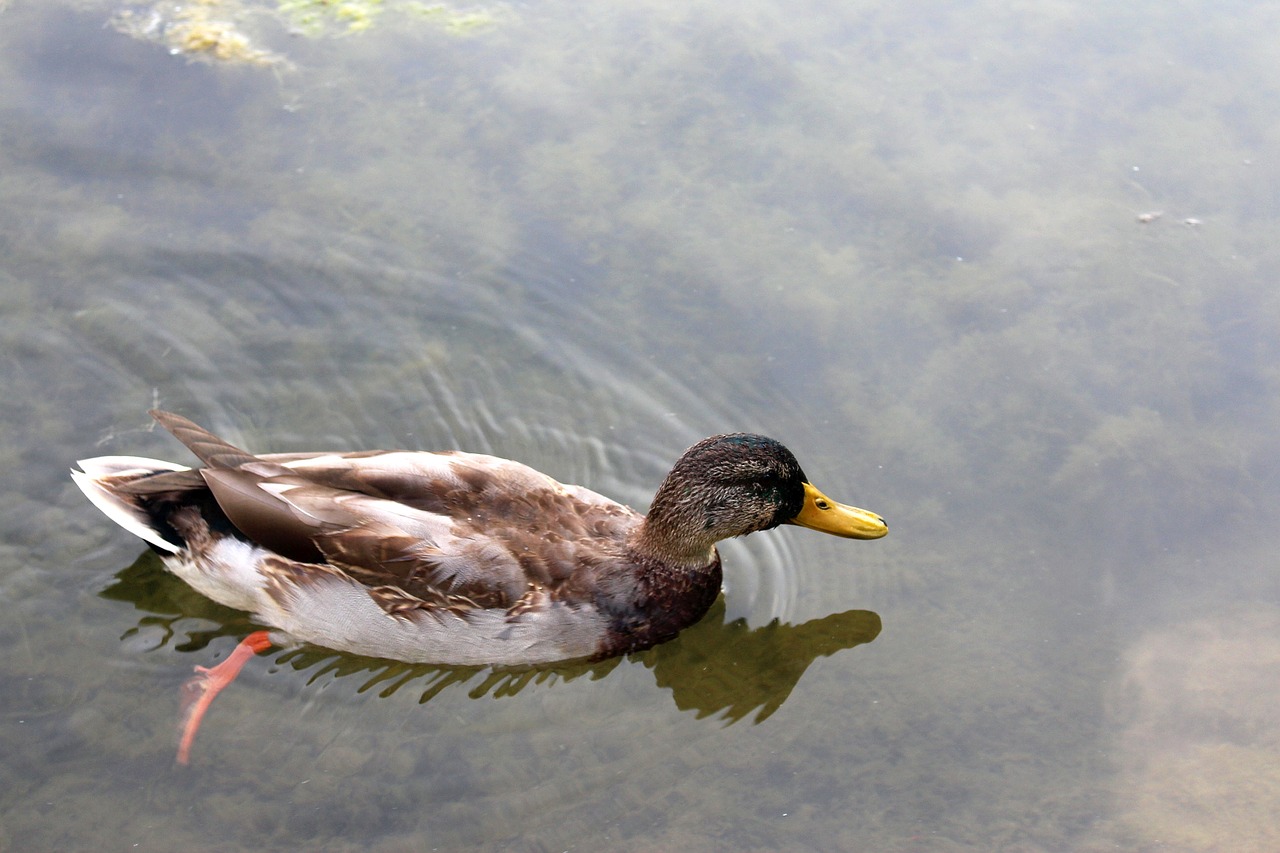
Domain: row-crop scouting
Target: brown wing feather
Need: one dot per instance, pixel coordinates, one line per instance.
(490, 565)
(262, 516)
(210, 449)
(509, 526)
(514, 535)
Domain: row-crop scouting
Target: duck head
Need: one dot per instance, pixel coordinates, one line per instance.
(732, 485)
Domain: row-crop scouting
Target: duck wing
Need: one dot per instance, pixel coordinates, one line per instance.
(477, 529)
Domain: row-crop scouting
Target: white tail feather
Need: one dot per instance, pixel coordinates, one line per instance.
(120, 511)
(114, 466)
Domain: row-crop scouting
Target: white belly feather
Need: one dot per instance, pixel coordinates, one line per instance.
(338, 613)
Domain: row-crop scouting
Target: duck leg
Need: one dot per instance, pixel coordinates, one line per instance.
(198, 692)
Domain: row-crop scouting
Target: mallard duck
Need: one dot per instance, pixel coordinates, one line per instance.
(451, 557)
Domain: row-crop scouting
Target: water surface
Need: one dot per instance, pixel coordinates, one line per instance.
(1005, 275)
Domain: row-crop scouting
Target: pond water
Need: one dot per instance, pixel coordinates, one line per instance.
(1004, 274)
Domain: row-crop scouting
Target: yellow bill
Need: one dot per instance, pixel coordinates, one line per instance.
(821, 513)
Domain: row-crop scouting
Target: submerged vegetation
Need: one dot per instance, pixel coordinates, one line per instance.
(234, 30)
(317, 17)
(206, 29)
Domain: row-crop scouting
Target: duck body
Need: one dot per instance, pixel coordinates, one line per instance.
(451, 557)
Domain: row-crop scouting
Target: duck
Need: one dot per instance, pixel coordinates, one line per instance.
(449, 557)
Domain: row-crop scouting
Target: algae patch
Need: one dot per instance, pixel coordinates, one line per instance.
(232, 30)
(341, 17)
(204, 29)
(320, 17)
(455, 21)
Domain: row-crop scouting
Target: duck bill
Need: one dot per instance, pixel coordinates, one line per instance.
(821, 513)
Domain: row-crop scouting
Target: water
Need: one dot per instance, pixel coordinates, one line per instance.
(907, 242)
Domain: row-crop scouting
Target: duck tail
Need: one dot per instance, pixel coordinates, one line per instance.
(102, 479)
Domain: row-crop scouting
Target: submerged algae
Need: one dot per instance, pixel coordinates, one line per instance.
(204, 29)
(454, 21)
(332, 17)
(220, 29)
(316, 17)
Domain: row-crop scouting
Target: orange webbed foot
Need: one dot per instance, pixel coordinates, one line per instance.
(198, 692)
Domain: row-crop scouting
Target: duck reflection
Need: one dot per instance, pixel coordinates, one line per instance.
(713, 667)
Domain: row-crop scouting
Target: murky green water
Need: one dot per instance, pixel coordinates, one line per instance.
(1003, 274)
